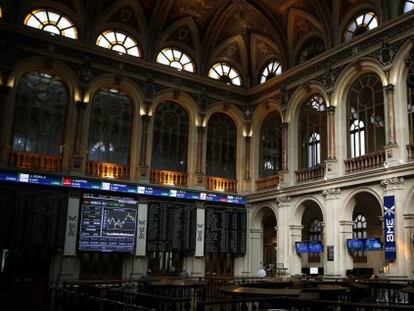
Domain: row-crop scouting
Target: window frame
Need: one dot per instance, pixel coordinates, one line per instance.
(227, 71)
(106, 35)
(271, 70)
(355, 25)
(177, 55)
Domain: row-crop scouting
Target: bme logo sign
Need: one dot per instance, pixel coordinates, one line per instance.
(389, 229)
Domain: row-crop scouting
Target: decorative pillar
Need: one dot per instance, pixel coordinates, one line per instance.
(247, 159)
(389, 91)
(4, 94)
(200, 142)
(331, 238)
(285, 163)
(79, 142)
(144, 142)
(295, 262)
(331, 132)
(346, 261)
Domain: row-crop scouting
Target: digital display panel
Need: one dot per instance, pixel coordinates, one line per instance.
(355, 244)
(313, 270)
(315, 247)
(373, 244)
(108, 224)
(302, 247)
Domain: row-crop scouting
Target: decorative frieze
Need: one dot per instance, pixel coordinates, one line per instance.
(395, 183)
(332, 194)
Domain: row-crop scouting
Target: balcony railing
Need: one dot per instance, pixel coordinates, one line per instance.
(35, 161)
(221, 184)
(311, 173)
(410, 149)
(172, 178)
(268, 182)
(365, 162)
(107, 170)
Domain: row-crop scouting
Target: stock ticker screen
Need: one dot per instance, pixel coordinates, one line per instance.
(107, 224)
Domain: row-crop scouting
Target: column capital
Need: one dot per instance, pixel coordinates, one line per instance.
(283, 201)
(332, 194)
(389, 88)
(394, 183)
(330, 109)
(285, 125)
(146, 117)
(201, 129)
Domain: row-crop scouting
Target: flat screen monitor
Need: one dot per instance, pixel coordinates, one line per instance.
(107, 224)
(315, 247)
(313, 270)
(356, 244)
(302, 247)
(373, 244)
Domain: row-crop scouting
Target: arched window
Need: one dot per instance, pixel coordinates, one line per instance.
(365, 116)
(271, 70)
(360, 232)
(119, 42)
(360, 24)
(170, 138)
(39, 116)
(408, 6)
(225, 72)
(315, 235)
(110, 127)
(270, 145)
(221, 146)
(175, 59)
(310, 49)
(53, 22)
(312, 132)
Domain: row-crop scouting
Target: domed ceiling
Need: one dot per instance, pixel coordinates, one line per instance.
(245, 33)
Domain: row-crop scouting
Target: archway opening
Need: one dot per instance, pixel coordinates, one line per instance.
(269, 225)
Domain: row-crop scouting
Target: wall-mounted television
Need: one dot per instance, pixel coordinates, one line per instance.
(302, 247)
(356, 244)
(373, 244)
(315, 247)
(107, 224)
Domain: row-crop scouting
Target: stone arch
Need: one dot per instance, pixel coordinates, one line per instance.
(350, 201)
(299, 209)
(194, 51)
(139, 34)
(261, 56)
(222, 53)
(259, 213)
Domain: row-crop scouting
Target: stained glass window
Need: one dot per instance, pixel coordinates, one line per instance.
(366, 116)
(53, 22)
(39, 116)
(170, 138)
(312, 131)
(270, 145)
(119, 42)
(110, 127)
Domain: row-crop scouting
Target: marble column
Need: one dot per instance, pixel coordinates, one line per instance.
(144, 143)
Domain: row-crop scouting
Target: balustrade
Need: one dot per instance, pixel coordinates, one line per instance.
(221, 184)
(35, 161)
(368, 161)
(107, 170)
(311, 174)
(172, 178)
(268, 182)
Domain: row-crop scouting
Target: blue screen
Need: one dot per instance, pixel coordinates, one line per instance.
(315, 247)
(373, 244)
(356, 244)
(302, 247)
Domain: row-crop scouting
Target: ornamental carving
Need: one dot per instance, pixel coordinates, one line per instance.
(283, 201)
(332, 194)
(395, 183)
